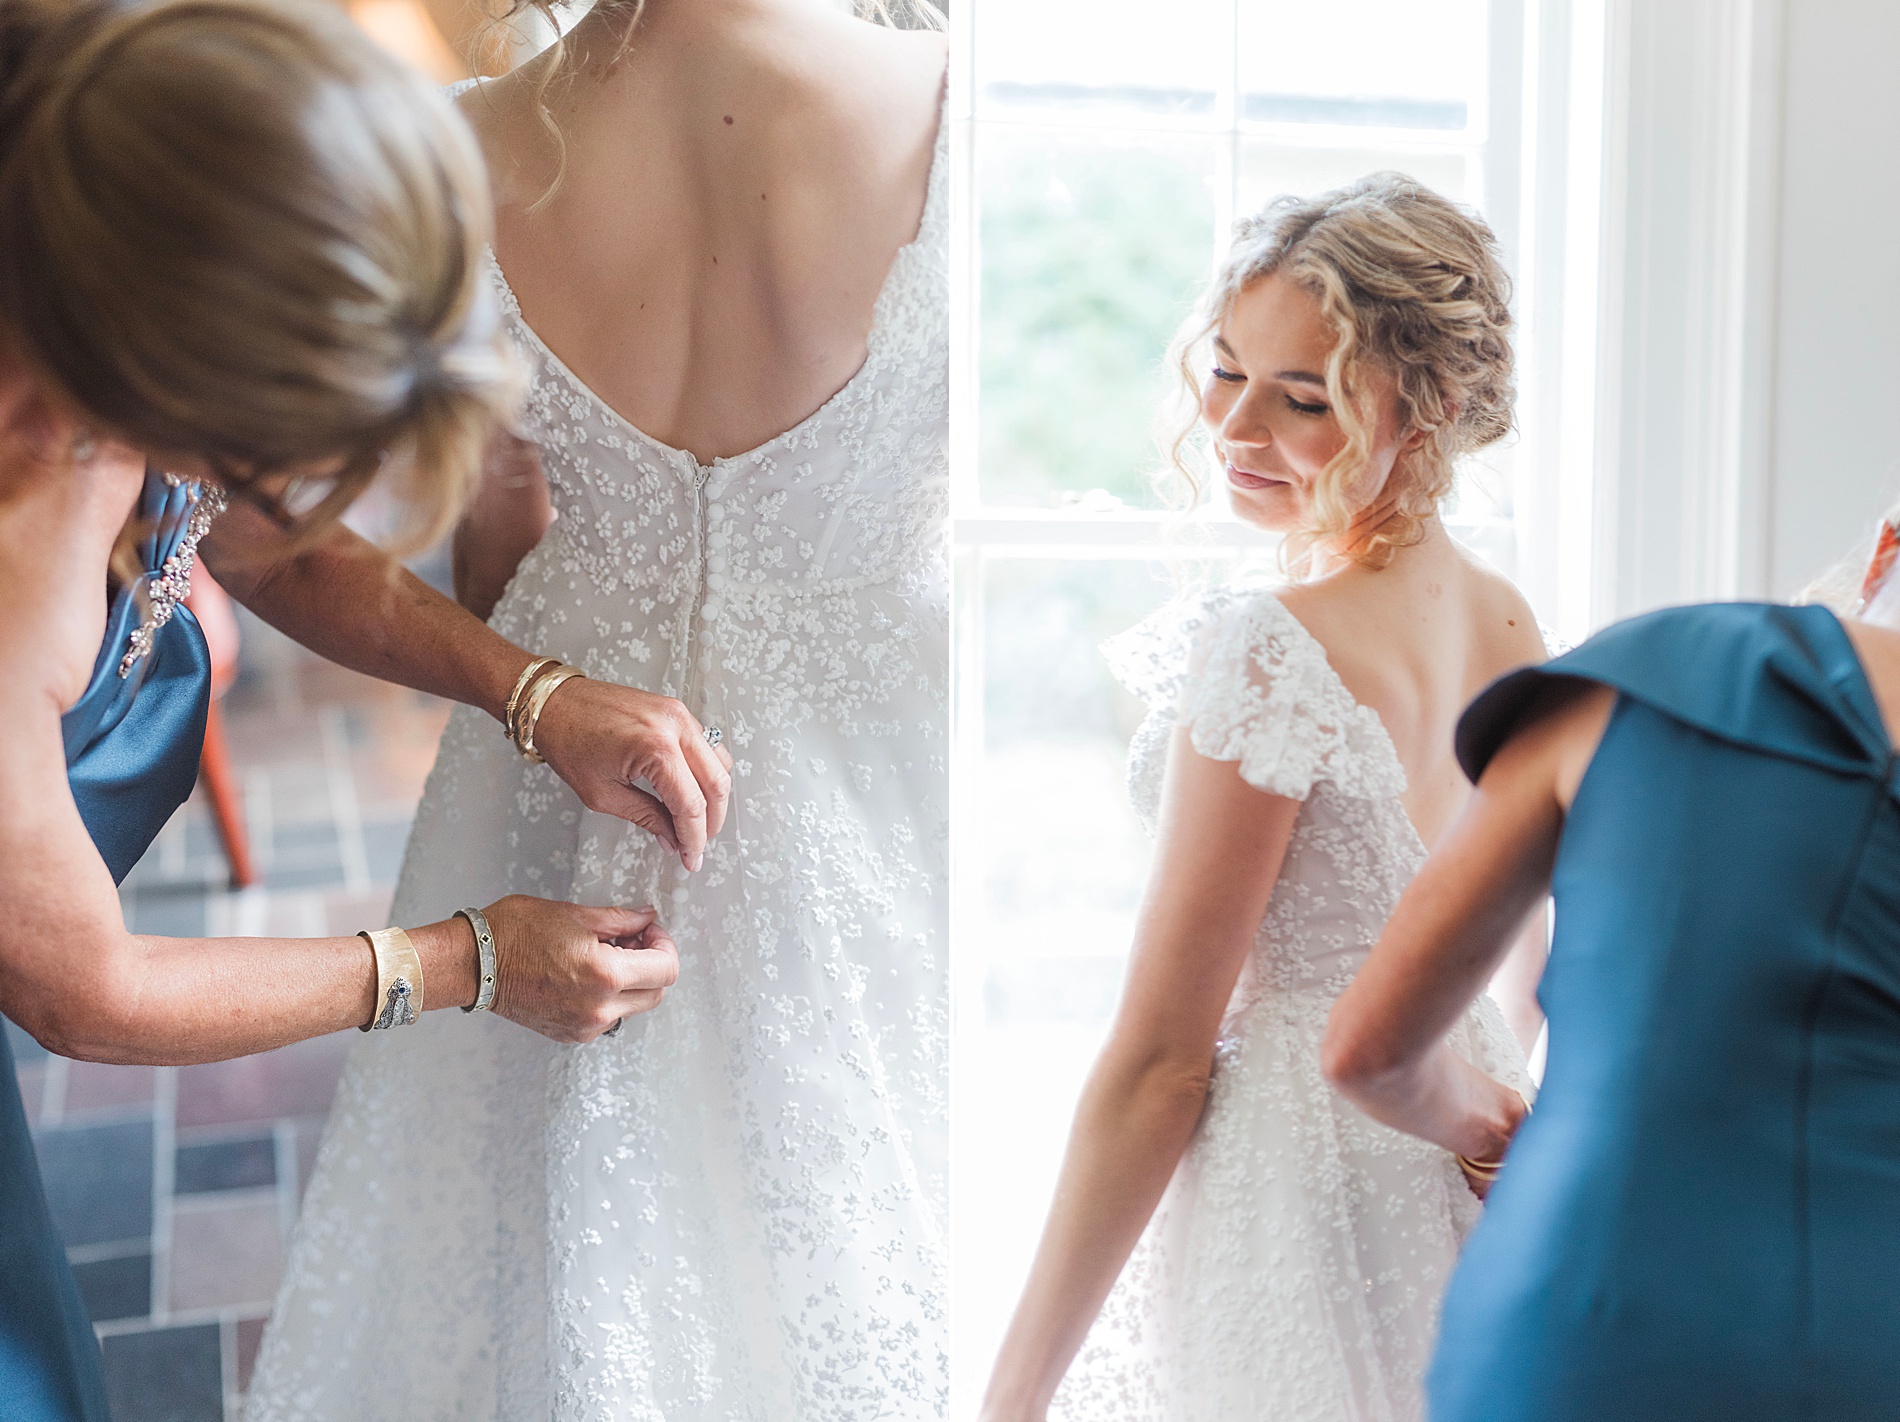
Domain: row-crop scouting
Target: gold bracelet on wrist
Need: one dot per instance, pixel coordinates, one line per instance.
(518, 714)
(1487, 1171)
(398, 979)
(531, 709)
(533, 669)
(1484, 1171)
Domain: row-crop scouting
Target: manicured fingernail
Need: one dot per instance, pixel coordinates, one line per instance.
(698, 860)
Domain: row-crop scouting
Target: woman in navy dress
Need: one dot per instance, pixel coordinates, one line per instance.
(1702, 1219)
(239, 247)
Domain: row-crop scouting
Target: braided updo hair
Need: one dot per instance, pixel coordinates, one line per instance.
(237, 232)
(1413, 285)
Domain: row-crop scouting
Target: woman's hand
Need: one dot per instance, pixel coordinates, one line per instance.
(1502, 1113)
(604, 739)
(1385, 1046)
(571, 972)
(344, 599)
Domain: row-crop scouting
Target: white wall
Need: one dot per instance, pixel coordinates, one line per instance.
(1747, 363)
(1836, 364)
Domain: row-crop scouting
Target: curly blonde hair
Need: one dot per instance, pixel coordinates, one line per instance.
(1413, 285)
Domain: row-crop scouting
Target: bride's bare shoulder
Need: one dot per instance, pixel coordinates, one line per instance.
(1502, 619)
(879, 89)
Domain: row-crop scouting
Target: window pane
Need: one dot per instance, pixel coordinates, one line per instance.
(1092, 254)
(1410, 63)
(1268, 169)
(1061, 861)
(1131, 55)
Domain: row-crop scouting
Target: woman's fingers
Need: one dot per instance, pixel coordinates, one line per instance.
(570, 971)
(610, 925)
(652, 967)
(679, 789)
(605, 739)
(712, 768)
(637, 807)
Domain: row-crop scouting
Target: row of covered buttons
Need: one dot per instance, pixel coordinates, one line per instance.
(716, 485)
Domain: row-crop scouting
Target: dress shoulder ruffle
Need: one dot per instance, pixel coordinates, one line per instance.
(1253, 686)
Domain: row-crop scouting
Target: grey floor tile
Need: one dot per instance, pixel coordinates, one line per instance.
(25, 1049)
(226, 1165)
(227, 1251)
(98, 1181)
(355, 728)
(167, 1375)
(303, 876)
(304, 841)
(250, 1337)
(201, 840)
(179, 914)
(116, 1288)
(383, 846)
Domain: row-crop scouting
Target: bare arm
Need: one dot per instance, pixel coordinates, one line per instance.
(349, 601)
(1514, 985)
(73, 977)
(85, 988)
(508, 517)
(1385, 1045)
(1218, 857)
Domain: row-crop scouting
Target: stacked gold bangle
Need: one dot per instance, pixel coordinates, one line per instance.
(1483, 1172)
(1486, 1172)
(398, 979)
(533, 687)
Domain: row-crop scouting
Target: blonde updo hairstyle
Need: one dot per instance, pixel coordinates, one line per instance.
(1413, 285)
(237, 232)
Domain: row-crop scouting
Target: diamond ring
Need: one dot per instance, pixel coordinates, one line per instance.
(714, 735)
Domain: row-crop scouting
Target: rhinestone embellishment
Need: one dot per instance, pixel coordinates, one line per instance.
(170, 585)
(397, 1011)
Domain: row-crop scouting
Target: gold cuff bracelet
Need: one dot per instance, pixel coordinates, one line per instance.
(398, 979)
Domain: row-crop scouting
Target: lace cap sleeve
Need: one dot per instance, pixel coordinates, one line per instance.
(1252, 685)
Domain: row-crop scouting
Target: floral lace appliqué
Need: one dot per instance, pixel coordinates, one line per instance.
(1294, 1267)
(735, 1209)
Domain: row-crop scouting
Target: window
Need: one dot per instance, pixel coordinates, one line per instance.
(1102, 156)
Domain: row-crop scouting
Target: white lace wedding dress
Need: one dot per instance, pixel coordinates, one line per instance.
(1294, 1267)
(736, 1209)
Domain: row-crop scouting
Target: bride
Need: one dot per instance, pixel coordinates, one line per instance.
(1279, 1255)
(721, 248)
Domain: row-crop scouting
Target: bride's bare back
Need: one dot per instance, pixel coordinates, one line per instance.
(736, 188)
(1415, 641)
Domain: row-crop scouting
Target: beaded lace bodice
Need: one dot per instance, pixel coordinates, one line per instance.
(1294, 1267)
(736, 1208)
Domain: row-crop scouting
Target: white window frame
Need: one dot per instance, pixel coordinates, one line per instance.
(1542, 115)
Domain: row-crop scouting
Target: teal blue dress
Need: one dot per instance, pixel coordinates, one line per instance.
(132, 746)
(1702, 1219)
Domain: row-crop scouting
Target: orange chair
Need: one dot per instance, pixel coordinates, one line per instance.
(211, 605)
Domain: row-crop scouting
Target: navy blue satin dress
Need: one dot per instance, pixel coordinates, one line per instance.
(1702, 1219)
(132, 747)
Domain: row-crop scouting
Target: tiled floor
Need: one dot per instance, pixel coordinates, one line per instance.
(175, 1188)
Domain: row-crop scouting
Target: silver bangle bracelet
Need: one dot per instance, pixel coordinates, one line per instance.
(485, 947)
